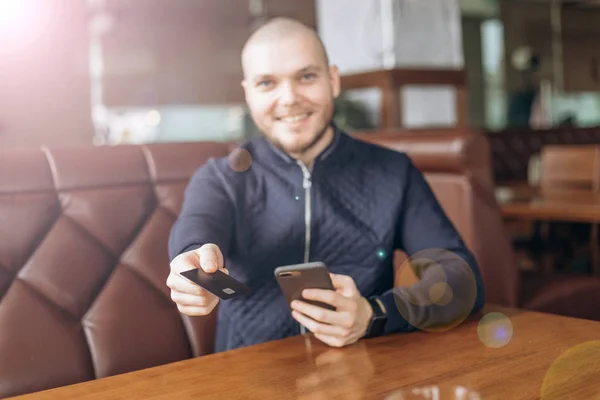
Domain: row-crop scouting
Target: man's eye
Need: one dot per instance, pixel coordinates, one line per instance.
(309, 76)
(264, 84)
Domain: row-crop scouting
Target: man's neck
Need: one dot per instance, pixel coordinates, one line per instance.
(308, 158)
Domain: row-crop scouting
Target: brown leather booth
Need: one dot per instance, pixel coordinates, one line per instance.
(512, 148)
(83, 252)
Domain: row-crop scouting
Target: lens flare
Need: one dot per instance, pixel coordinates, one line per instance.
(574, 375)
(441, 290)
(240, 160)
(495, 330)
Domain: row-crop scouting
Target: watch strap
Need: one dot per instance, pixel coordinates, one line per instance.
(378, 320)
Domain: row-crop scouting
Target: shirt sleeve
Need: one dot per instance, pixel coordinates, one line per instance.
(450, 285)
(207, 214)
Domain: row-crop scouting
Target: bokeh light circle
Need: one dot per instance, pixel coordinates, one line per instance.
(441, 292)
(381, 254)
(575, 374)
(495, 330)
(240, 160)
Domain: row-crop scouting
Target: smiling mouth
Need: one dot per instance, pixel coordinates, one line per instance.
(294, 118)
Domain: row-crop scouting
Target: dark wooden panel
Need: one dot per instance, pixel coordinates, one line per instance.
(182, 52)
(302, 10)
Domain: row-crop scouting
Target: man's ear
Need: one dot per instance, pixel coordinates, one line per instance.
(245, 87)
(334, 76)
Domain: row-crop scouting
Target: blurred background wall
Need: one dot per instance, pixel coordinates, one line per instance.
(131, 71)
(44, 73)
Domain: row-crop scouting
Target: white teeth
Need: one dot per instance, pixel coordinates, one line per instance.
(294, 118)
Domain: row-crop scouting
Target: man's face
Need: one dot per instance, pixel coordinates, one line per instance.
(290, 91)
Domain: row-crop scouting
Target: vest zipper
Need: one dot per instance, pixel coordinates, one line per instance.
(306, 184)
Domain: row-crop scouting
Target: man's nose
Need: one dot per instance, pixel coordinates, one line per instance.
(288, 94)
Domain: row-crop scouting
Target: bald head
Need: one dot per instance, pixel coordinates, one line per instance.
(290, 87)
(280, 29)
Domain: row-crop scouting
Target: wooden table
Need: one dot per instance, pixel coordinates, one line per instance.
(532, 204)
(557, 205)
(303, 368)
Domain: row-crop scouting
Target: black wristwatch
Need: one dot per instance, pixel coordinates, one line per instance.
(378, 320)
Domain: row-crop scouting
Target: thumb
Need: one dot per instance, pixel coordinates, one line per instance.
(343, 284)
(210, 257)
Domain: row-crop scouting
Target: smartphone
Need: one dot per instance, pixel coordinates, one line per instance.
(293, 279)
(219, 283)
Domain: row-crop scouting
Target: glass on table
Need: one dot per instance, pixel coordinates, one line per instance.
(434, 392)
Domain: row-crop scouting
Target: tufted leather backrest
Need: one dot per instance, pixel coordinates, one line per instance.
(512, 149)
(83, 263)
(83, 252)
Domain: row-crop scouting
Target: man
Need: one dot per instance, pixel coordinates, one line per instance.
(311, 193)
(526, 105)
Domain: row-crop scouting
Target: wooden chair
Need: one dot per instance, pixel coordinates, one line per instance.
(572, 168)
(391, 81)
(566, 171)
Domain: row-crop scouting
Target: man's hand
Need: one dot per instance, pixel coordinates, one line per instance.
(338, 328)
(190, 298)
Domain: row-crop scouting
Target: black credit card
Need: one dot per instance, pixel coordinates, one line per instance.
(219, 283)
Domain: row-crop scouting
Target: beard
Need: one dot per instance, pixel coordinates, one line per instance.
(302, 148)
